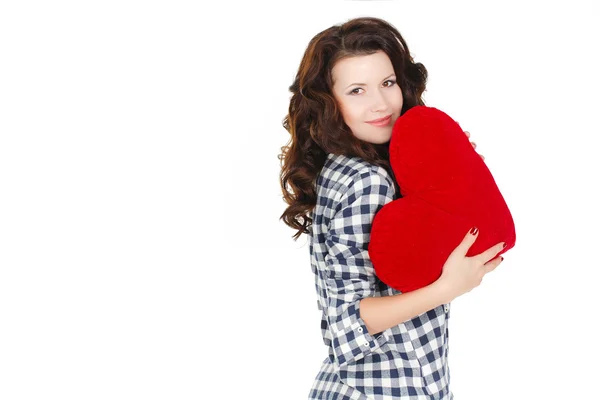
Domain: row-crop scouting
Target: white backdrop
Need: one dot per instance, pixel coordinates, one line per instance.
(141, 251)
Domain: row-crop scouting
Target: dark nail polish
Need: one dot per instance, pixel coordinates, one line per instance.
(504, 245)
(473, 231)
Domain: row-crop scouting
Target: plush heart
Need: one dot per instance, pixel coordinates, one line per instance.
(446, 190)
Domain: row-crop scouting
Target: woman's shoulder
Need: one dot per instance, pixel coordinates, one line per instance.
(341, 171)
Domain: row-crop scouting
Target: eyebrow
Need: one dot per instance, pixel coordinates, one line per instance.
(364, 84)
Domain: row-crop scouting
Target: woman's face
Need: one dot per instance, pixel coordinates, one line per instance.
(365, 88)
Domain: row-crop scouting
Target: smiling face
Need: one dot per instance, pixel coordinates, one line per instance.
(365, 88)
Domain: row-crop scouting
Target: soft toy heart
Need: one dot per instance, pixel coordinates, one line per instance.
(446, 190)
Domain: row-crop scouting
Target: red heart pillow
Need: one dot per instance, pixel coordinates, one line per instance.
(446, 189)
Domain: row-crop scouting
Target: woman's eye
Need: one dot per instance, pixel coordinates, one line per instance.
(389, 80)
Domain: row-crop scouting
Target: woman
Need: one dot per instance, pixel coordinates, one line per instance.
(354, 81)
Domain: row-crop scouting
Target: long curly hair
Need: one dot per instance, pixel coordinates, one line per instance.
(314, 120)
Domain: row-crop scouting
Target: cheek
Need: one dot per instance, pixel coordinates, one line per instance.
(398, 99)
(353, 115)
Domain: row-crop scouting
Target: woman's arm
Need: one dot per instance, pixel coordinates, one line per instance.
(381, 313)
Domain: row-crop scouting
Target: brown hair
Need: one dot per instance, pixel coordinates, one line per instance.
(314, 121)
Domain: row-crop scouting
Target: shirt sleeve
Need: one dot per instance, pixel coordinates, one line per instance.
(350, 274)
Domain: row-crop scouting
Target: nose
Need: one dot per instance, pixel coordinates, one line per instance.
(378, 103)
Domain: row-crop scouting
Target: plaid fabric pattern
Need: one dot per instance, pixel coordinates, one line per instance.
(407, 361)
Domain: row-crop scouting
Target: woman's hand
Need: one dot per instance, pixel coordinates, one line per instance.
(460, 274)
(473, 144)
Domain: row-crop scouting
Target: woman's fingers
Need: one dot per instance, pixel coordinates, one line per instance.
(489, 253)
(473, 143)
(491, 265)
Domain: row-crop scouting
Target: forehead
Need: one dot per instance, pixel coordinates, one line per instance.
(364, 68)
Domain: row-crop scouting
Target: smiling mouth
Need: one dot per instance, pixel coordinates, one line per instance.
(380, 121)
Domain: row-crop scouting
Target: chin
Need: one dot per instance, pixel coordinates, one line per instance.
(382, 141)
(385, 140)
(377, 139)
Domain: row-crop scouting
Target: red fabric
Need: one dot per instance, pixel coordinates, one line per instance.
(446, 189)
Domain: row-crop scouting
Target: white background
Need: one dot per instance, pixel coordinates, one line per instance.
(141, 251)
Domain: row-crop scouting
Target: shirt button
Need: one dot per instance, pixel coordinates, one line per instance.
(446, 307)
(360, 329)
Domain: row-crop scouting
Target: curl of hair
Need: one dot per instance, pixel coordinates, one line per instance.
(314, 121)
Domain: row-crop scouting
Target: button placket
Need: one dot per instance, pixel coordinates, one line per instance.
(362, 340)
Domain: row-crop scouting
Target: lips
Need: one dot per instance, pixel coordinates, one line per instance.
(380, 120)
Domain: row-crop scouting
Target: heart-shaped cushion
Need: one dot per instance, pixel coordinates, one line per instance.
(446, 190)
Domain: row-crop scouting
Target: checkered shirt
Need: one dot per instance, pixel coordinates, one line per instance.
(406, 361)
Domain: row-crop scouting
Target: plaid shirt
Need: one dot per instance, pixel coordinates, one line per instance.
(406, 361)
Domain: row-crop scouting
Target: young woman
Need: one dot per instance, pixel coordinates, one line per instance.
(354, 81)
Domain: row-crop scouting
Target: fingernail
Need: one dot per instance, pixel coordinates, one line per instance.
(504, 245)
(501, 258)
(473, 231)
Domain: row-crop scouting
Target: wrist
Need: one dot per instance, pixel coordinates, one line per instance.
(443, 290)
